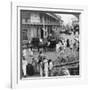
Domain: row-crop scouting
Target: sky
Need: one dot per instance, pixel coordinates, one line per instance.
(67, 18)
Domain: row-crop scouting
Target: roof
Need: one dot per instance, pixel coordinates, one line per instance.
(54, 16)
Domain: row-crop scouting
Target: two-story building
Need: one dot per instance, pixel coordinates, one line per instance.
(38, 24)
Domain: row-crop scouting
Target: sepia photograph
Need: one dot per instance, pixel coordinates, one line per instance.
(49, 43)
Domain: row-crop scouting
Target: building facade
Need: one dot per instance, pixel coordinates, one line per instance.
(38, 24)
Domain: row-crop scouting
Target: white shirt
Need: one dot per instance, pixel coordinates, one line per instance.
(24, 62)
(50, 65)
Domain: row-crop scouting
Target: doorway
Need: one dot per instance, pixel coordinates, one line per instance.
(42, 33)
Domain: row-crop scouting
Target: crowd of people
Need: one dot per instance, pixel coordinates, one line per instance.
(40, 66)
(72, 43)
(43, 66)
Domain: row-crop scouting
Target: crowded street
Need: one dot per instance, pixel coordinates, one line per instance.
(49, 44)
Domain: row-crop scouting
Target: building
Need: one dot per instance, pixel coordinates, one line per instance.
(35, 24)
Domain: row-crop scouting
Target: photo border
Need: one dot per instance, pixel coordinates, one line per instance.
(15, 28)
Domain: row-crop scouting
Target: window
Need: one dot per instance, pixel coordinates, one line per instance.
(24, 35)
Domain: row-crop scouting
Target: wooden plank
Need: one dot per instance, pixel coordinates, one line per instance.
(68, 64)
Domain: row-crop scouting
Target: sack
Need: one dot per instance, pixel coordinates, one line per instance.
(30, 70)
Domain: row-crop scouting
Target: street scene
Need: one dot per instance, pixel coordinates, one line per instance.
(49, 44)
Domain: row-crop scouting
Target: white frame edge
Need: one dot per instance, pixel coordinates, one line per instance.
(15, 45)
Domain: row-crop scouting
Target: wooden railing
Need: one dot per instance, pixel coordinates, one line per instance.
(72, 64)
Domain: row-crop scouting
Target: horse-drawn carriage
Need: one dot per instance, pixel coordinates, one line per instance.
(45, 44)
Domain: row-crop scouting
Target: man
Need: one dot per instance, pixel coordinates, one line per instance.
(50, 66)
(64, 45)
(24, 64)
(45, 67)
(58, 45)
(29, 56)
(40, 57)
(24, 52)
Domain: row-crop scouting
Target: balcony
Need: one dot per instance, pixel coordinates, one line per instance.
(28, 22)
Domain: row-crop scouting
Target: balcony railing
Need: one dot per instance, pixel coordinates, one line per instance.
(28, 22)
